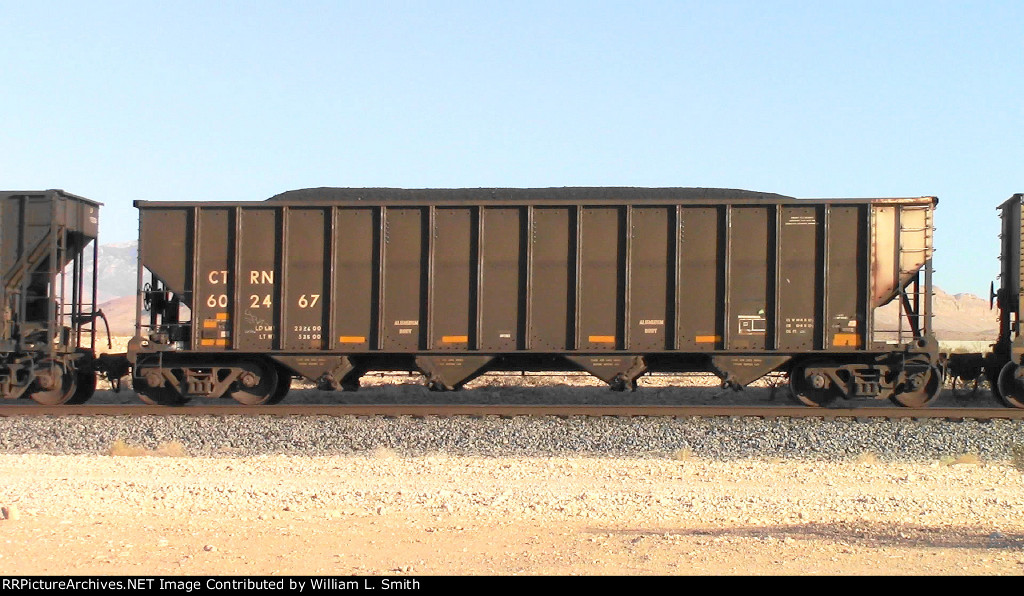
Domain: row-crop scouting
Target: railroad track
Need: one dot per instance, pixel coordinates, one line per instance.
(448, 410)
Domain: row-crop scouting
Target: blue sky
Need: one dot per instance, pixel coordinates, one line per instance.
(118, 101)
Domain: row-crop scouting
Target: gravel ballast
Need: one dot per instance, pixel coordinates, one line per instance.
(832, 439)
(720, 438)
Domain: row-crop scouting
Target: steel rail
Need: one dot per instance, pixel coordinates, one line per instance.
(564, 411)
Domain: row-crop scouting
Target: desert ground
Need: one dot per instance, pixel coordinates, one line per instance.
(133, 511)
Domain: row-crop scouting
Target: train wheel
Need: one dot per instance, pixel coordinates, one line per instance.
(1011, 385)
(992, 375)
(812, 387)
(86, 387)
(257, 385)
(158, 396)
(923, 388)
(284, 384)
(55, 385)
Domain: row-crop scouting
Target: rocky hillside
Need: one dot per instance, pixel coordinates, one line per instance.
(120, 313)
(958, 317)
(118, 265)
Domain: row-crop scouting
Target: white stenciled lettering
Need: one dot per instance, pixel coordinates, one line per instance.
(261, 277)
(257, 302)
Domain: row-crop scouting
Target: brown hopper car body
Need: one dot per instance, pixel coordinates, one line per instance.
(327, 284)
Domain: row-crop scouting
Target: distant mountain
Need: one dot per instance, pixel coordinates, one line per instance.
(958, 317)
(118, 264)
(120, 313)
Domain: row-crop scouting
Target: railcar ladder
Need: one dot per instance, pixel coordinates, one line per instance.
(18, 277)
(21, 267)
(915, 299)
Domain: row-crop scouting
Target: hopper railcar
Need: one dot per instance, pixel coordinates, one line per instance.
(48, 239)
(236, 299)
(1004, 365)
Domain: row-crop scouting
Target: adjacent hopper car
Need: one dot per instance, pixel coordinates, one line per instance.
(1004, 365)
(47, 306)
(237, 299)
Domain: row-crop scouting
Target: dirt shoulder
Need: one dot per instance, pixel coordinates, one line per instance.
(390, 515)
